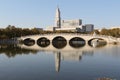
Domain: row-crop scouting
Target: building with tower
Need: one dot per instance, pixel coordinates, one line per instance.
(74, 25)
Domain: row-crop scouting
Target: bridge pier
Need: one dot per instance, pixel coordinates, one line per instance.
(86, 43)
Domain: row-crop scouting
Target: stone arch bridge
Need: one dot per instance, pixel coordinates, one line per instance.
(69, 36)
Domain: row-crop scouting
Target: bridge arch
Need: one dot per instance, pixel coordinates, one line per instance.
(29, 41)
(43, 42)
(77, 42)
(97, 40)
(59, 42)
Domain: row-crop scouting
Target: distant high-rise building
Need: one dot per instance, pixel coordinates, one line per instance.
(58, 18)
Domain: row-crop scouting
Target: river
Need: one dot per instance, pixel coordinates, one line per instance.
(22, 62)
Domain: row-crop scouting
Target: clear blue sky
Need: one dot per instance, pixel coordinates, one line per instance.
(41, 13)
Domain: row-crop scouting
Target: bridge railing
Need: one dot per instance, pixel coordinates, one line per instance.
(68, 34)
(92, 35)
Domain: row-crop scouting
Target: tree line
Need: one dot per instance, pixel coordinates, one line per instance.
(11, 32)
(115, 32)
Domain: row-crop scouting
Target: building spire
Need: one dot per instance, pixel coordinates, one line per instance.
(58, 18)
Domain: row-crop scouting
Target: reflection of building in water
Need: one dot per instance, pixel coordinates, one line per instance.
(57, 61)
(74, 56)
(88, 53)
(66, 56)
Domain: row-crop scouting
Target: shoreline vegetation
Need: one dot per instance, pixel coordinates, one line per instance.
(12, 32)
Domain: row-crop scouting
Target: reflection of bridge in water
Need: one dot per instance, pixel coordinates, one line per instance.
(66, 53)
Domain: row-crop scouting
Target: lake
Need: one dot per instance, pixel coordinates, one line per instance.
(23, 62)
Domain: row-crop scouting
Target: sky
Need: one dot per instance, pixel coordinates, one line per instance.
(41, 13)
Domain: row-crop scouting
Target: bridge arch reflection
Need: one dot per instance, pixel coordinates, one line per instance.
(97, 42)
(43, 42)
(77, 42)
(59, 42)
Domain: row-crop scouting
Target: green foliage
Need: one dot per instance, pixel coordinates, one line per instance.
(12, 32)
(111, 32)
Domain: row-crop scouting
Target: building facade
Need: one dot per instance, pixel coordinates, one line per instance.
(87, 28)
(71, 23)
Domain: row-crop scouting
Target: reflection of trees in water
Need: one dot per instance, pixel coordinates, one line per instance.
(13, 50)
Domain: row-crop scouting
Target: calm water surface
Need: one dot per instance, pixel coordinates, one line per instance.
(21, 62)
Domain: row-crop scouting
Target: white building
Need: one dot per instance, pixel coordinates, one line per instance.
(71, 23)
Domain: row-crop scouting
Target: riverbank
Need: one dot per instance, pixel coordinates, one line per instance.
(8, 41)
